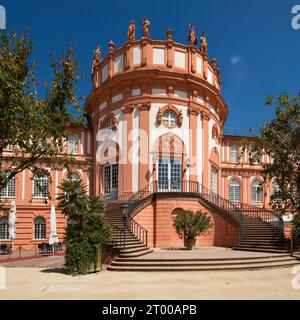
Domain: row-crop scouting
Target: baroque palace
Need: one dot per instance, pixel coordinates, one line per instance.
(155, 142)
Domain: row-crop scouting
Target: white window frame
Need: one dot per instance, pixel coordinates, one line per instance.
(4, 228)
(9, 191)
(234, 153)
(234, 190)
(39, 194)
(112, 188)
(258, 195)
(41, 232)
(167, 118)
(214, 180)
(73, 144)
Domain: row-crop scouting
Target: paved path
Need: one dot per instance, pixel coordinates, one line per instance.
(40, 283)
(205, 253)
(45, 278)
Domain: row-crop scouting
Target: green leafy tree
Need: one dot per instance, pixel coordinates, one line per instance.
(34, 128)
(280, 140)
(189, 225)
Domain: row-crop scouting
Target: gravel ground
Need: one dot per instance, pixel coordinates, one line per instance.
(47, 280)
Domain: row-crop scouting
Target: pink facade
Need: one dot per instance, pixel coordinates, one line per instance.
(157, 116)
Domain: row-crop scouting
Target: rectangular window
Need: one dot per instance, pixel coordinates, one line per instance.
(40, 187)
(117, 98)
(136, 55)
(104, 73)
(199, 65)
(209, 76)
(180, 94)
(214, 180)
(234, 153)
(73, 144)
(103, 105)
(136, 92)
(256, 192)
(4, 228)
(9, 190)
(110, 179)
(179, 59)
(159, 91)
(158, 56)
(118, 67)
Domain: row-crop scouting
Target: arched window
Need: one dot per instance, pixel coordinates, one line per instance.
(256, 189)
(73, 176)
(9, 190)
(4, 228)
(110, 124)
(169, 118)
(39, 228)
(40, 187)
(234, 190)
(234, 153)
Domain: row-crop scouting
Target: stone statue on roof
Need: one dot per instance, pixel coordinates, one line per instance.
(131, 31)
(146, 27)
(192, 35)
(97, 59)
(203, 43)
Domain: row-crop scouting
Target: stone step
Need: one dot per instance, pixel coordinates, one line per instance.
(263, 246)
(267, 256)
(135, 254)
(133, 250)
(183, 263)
(257, 265)
(248, 248)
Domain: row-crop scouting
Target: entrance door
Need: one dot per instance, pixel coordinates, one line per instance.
(169, 174)
(214, 184)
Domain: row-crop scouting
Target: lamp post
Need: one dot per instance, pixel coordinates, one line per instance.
(280, 212)
(125, 209)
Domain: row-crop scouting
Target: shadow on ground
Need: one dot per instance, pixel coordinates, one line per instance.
(62, 270)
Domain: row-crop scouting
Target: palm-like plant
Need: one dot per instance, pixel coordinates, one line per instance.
(90, 232)
(189, 225)
(74, 201)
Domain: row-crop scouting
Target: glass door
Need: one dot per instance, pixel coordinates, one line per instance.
(169, 175)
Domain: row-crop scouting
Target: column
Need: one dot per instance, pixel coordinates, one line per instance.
(127, 165)
(193, 125)
(206, 174)
(144, 109)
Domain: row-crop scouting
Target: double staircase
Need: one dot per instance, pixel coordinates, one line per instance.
(259, 229)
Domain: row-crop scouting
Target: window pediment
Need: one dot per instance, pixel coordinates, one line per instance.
(169, 116)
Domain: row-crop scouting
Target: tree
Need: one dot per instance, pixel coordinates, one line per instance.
(73, 201)
(189, 225)
(280, 140)
(87, 231)
(33, 127)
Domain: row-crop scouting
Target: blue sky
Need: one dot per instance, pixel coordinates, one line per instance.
(253, 41)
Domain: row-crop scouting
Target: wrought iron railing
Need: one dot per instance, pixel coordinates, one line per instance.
(236, 210)
(138, 231)
(118, 239)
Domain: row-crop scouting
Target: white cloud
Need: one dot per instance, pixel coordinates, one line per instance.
(235, 59)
